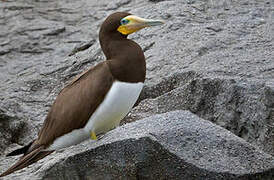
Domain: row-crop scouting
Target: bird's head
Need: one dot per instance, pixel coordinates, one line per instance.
(126, 23)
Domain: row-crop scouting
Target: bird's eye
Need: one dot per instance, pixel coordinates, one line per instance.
(124, 21)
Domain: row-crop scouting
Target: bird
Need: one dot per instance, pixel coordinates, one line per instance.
(96, 100)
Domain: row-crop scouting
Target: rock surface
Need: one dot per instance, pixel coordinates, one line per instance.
(213, 58)
(174, 145)
(242, 107)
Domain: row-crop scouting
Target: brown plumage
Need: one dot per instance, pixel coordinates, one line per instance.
(76, 102)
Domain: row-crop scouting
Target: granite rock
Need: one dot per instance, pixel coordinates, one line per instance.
(173, 145)
(213, 58)
(243, 107)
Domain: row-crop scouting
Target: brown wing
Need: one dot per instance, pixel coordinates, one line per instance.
(76, 103)
(71, 110)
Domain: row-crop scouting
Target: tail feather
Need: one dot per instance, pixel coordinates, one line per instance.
(22, 150)
(27, 160)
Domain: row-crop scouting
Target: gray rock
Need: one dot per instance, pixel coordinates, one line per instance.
(10, 127)
(242, 107)
(217, 54)
(174, 145)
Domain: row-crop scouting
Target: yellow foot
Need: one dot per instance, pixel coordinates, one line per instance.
(93, 135)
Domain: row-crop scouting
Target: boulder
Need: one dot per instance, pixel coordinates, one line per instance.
(243, 107)
(173, 145)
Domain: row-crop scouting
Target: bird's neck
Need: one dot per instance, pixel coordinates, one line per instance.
(125, 57)
(111, 42)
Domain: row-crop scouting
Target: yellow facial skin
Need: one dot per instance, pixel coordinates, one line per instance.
(135, 23)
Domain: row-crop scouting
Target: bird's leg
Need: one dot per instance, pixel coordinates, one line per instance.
(93, 135)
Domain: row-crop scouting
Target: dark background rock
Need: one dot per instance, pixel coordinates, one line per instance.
(214, 58)
(11, 128)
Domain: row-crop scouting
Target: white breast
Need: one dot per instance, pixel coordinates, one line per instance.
(117, 103)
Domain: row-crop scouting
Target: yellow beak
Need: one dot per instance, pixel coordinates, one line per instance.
(136, 23)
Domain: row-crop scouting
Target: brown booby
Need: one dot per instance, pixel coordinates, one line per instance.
(98, 99)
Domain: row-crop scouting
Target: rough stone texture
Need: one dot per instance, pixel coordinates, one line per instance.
(212, 57)
(243, 107)
(174, 145)
(10, 130)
